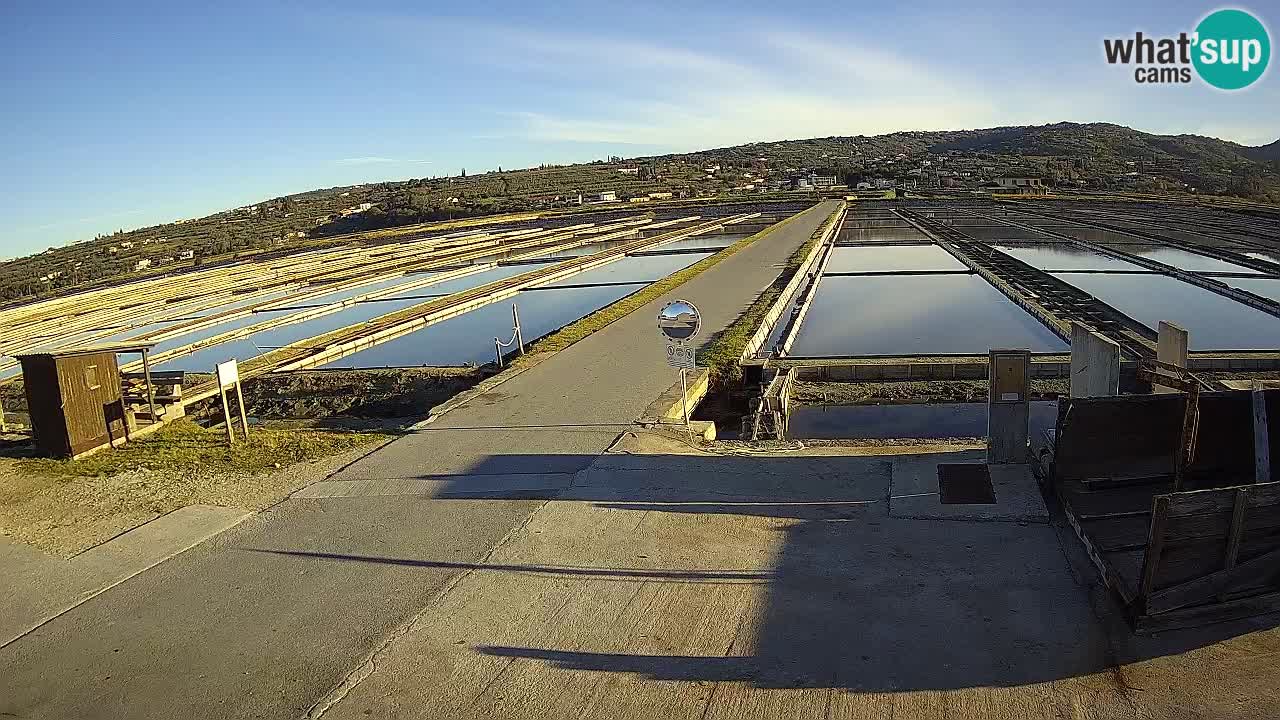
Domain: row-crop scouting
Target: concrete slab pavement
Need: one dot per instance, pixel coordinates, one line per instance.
(38, 587)
(760, 587)
(231, 629)
(914, 492)
(706, 586)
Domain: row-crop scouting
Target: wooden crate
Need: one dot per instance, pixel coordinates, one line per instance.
(1207, 553)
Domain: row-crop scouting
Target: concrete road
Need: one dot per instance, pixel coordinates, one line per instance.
(233, 628)
(704, 586)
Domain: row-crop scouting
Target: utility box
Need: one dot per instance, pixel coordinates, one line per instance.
(1008, 406)
(73, 397)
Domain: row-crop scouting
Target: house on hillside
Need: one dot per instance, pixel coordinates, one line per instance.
(362, 207)
(1020, 185)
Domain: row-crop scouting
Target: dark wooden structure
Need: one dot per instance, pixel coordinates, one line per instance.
(160, 390)
(74, 398)
(1172, 497)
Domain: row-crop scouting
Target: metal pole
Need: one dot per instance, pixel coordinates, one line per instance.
(515, 318)
(244, 421)
(151, 394)
(684, 395)
(497, 350)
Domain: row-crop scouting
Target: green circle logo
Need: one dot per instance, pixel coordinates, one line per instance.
(1232, 48)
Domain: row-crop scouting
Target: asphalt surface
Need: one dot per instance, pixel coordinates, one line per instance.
(239, 628)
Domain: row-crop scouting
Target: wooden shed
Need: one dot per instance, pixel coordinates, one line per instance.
(74, 398)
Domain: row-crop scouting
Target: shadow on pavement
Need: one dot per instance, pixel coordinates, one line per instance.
(855, 599)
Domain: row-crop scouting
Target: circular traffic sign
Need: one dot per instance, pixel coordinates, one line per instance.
(679, 320)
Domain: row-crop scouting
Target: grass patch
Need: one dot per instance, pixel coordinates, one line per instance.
(598, 320)
(722, 355)
(185, 447)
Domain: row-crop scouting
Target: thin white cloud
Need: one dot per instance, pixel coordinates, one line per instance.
(84, 220)
(790, 86)
(377, 160)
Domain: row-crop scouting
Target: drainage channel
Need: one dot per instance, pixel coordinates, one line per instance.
(914, 421)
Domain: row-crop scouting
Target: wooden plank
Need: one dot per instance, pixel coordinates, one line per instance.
(1111, 579)
(1222, 499)
(1109, 502)
(1123, 437)
(226, 415)
(1120, 533)
(1261, 439)
(1218, 526)
(1208, 614)
(1187, 441)
(151, 388)
(1237, 529)
(159, 377)
(1202, 589)
(1155, 545)
(1184, 562)
(1124, 573)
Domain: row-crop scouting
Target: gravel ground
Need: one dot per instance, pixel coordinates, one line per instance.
(63, 516)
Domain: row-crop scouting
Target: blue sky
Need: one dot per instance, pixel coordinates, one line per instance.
(123, 115)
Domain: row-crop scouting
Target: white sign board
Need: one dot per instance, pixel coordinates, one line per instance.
(228, 374)
(679, 321)
(680, 355)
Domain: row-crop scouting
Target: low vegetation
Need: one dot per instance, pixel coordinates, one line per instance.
(185, 447)
(64, 507)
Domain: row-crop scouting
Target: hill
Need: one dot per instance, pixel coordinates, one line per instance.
(1265, 153)
(1096, 156)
